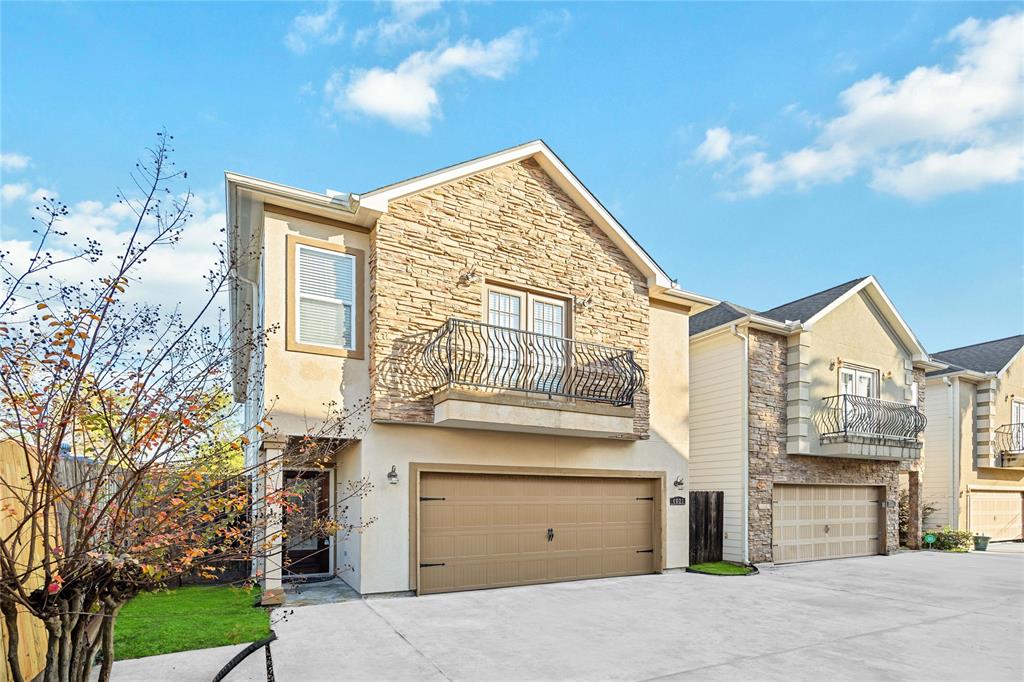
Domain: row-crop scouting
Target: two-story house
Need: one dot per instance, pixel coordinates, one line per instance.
(806, 416)
(974, 442)
(521, 361)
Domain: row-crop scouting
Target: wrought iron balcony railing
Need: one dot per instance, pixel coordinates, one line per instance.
(477, 355)
(1010, 438)
(883, 421)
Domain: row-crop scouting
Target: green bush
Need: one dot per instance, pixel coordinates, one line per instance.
(951, 540)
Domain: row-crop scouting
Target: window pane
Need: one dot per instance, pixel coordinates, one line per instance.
(547, 318)
(325, 323)
(327, 274)
(503, 310)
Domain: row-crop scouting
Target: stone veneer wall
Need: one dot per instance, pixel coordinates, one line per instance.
(511, 224)
(769, 464)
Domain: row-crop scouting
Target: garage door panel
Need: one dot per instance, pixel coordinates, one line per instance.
(814, 522)
(995, 514)
(485, 540)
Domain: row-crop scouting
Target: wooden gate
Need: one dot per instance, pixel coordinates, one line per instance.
(706, 525)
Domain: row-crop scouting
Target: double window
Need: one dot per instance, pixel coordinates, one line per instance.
(324, 298)
(533, 362)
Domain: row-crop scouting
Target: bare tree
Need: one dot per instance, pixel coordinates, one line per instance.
(133, 471)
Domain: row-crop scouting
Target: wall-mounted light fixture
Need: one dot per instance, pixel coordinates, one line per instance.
(393, 476)
(888, 375)
(679, 482)
(838, 362)
(470, 276)
(584, 303)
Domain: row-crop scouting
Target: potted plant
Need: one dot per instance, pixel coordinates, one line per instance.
(981, 542)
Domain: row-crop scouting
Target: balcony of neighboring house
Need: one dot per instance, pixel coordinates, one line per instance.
(869, 428)
(1010, 444)
(491, 377)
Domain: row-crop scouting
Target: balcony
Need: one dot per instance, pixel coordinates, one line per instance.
(511, 380)
(1010, 444)
(869, 428)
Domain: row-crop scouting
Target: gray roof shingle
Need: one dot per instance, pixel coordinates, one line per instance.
(990, 356)
(807, 307)
(795, 311)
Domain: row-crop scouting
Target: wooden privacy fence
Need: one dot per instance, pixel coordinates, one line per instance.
(706, 525)
(31, 631)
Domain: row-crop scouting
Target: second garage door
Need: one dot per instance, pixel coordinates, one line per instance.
(997, 515)
(492, 530)
(811, 522)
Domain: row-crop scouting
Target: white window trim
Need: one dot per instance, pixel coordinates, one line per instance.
(351, 305)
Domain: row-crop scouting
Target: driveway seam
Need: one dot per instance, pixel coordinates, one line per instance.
(398, 632)
(799, 648)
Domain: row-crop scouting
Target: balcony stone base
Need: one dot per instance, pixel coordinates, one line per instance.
(525, 414)
(855, 448)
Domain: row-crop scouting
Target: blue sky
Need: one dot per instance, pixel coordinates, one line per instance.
(760, 152)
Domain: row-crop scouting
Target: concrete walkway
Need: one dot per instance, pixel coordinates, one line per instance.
(912, 616)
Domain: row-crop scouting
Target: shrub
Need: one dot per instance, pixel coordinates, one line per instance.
(952, 540)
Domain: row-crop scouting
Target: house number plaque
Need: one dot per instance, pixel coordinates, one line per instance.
(677, 501)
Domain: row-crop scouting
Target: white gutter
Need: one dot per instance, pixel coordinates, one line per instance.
(746, 441)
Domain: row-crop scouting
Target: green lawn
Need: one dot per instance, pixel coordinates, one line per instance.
(721, 568)
(188, 618)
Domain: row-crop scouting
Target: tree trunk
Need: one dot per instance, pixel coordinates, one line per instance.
(10, 610)
(53, 631)
(110, 611)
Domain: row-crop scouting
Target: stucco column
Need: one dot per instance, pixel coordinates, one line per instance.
(915, 503)
(798, 394)
(271, 546)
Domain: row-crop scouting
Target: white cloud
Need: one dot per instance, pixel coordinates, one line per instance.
(935, 131)
(171, 276)
(11, 192)
(313, 28)
(720, 143)
(402, 24)
(10, 161)
(407, 96)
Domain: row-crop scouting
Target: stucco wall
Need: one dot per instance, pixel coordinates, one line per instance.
(511, 225)
(383, 549)
(297, 385)
(856, 333)
(939, 487)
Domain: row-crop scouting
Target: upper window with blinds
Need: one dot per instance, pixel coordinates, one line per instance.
(324, 295)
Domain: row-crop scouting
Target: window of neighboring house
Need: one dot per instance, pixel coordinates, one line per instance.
(324, 298)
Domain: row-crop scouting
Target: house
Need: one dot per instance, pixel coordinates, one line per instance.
(520, 356)
(974, 442)
(807, 416)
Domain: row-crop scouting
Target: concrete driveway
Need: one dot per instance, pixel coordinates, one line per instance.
(912, 616)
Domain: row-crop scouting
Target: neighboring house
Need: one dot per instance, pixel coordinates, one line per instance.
(806, 416)
(975, 439)
(521, 356)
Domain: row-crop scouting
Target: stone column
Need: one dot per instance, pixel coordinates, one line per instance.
(272, 547)
(914, 502)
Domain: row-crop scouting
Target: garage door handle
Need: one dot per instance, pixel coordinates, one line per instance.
(551, 534)
(827, 528)
(429, 565)
(431, 499)
(645, 551)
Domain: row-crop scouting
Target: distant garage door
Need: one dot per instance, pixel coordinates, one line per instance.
(812, 522)
(491, 530)
(997, 515)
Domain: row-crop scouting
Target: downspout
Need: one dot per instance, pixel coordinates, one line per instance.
(745, 390)
(954, 483)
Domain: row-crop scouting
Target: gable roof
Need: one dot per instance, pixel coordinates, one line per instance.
(803, 313)
(988, 356)
(807, 307)
(718, 315)
(377, 201)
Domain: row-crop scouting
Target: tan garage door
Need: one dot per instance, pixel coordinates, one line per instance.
(489, 530)
(996, 515)
(811, 522)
